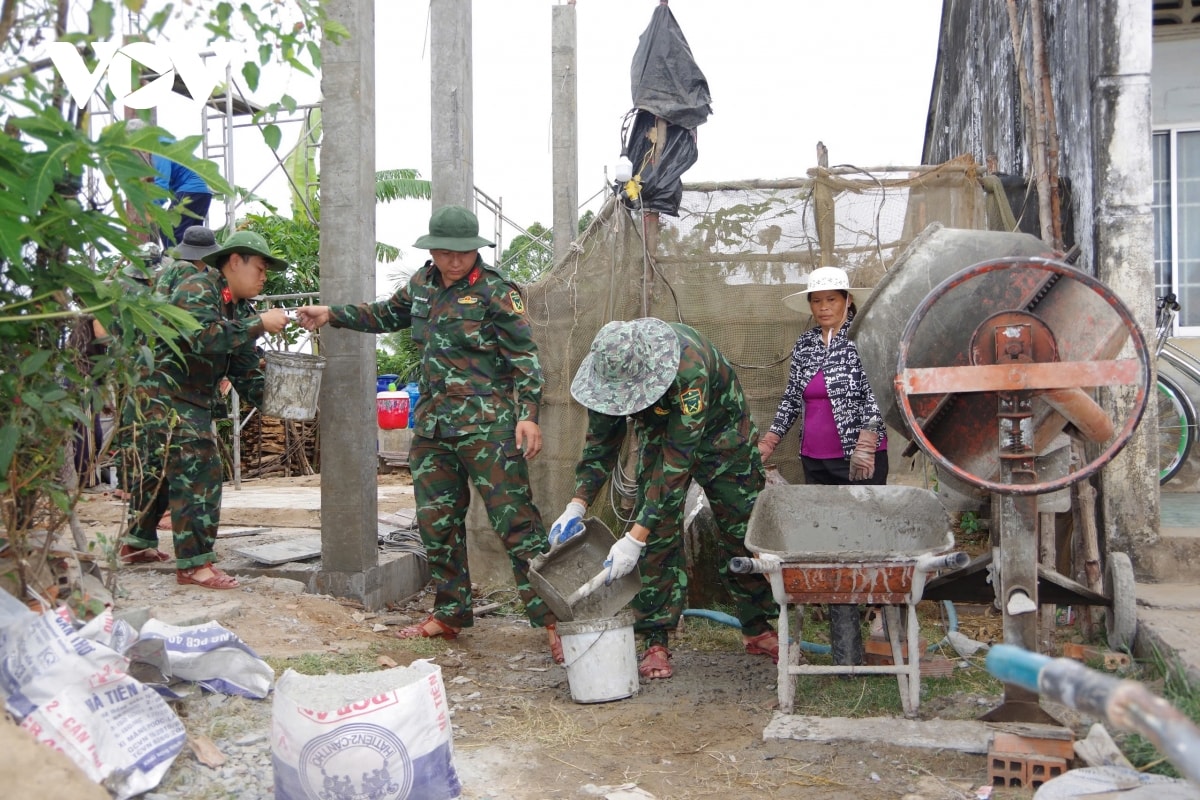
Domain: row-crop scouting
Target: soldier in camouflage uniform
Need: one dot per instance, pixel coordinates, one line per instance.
(180, 463)
(476, 420)
(691, 422)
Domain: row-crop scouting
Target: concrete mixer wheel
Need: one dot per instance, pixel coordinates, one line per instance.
(1059, 383)
(1120, 618)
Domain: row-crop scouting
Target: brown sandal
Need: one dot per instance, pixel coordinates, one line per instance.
(655, 663)
(219, 579)
(422, 630)
(765, 644)
(128, 555)
(556, 647)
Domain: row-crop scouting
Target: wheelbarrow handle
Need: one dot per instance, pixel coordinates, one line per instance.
(741, 565)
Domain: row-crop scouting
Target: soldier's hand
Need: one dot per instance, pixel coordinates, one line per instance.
(529, 438)
(275, 320)
(312, 317)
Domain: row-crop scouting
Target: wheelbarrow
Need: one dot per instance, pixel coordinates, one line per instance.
(849, 544)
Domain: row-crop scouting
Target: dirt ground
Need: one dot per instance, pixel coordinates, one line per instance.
(518, 734)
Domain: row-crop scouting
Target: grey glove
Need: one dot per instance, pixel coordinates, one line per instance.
(862, 460)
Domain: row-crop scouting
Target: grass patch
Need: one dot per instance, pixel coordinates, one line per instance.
(1169, 681)
(860, 696)
(336, 663)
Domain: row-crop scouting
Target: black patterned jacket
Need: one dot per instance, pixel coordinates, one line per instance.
(854, 405)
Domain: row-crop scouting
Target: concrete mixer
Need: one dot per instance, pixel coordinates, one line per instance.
(987, 350)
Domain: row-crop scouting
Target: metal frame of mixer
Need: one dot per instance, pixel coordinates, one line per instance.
(1014, 357)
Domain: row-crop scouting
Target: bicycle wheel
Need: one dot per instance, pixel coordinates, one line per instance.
(1176, 428)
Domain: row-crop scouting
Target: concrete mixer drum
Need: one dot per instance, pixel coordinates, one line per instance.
(983, 399)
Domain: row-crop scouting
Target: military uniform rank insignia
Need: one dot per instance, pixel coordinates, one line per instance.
(468, 301)
(660, 411)
(691, 402)
(517, 303)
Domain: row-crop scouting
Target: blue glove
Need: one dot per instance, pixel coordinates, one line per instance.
(623, 557)
(569, 524)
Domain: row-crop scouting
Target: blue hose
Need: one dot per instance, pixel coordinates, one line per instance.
(732, 621)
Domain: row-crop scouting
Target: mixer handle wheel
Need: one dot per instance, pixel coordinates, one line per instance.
(1057, 383)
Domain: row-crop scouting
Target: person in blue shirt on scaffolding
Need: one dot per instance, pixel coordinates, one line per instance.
(190, 195)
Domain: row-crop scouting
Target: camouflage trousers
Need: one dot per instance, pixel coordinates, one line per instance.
(731, 482)
(443, 470)
(178, 468)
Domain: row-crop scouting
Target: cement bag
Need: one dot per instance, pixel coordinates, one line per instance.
(213, 657)
(74, 695)
(383, 735)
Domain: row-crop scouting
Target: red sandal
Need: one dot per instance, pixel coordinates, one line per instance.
(765, 644)
(219, 579)
(423, 630)
(656, 663)
(128, 555)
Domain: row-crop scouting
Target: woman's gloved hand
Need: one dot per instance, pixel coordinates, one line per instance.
(767, 444)
(862, 460)
(568, 524)
(623, 557)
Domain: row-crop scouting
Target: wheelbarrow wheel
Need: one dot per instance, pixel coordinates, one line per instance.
(1120, 618)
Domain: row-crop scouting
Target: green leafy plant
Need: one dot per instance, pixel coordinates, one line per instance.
(73, 210)
(969, 523)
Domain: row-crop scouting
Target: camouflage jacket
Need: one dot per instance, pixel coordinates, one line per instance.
(479, 364)
(222, 347)
(702, 416)
(172, 273)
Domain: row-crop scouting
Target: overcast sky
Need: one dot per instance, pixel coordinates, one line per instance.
(783, 74)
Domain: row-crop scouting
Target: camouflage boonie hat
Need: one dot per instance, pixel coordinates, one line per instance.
(629, 366)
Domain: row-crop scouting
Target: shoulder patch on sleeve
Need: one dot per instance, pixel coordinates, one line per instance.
(691, 402)
(517, 303)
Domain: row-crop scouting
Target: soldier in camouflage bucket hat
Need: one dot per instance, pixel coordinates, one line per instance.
(629, 366)
(691, 422)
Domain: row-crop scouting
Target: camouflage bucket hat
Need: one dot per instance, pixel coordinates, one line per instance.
(246, 243)
(629, 366)
(453, 228)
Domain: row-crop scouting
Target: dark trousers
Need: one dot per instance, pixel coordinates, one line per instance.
(845, 625)
(194, 206)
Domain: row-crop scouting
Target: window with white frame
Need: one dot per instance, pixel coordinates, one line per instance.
(1176, 208)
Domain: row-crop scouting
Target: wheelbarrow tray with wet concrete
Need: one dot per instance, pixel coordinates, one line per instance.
(849, 544)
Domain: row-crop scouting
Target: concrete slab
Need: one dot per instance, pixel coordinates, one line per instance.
(300, 548)
(967, 736)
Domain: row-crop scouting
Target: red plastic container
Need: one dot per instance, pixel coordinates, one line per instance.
(392, 410)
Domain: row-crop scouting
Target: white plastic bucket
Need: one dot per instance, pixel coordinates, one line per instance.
(293, 381)
(600, 658)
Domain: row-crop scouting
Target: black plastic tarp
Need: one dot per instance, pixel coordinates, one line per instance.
(666, 81)
(667, 86)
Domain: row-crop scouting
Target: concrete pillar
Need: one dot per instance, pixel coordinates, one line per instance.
(349, 528)
(451, 102)
(565, 137)
(1124, 246)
